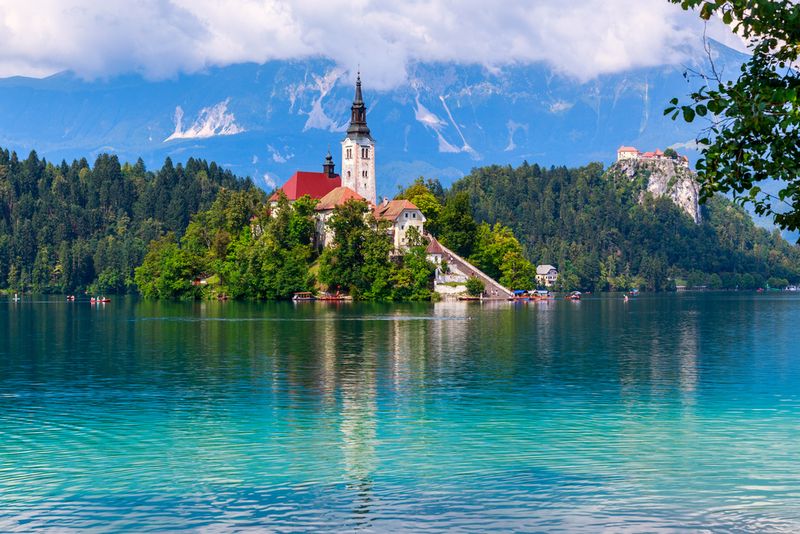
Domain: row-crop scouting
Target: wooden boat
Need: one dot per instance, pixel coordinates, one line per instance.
(302, 296)
(337, 297)
(71, 298)
(469, 299)
(99, 300)
(575, 295)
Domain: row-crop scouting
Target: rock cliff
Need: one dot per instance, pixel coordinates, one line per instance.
(663, 178)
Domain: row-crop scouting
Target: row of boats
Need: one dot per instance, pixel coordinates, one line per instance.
(541, 294)
(307, 296)
(71, 298)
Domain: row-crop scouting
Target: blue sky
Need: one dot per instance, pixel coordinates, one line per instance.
(159, 38)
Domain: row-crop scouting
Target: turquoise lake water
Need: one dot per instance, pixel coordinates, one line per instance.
(677, 412)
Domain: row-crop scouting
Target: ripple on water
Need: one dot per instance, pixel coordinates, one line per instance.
(670, 414)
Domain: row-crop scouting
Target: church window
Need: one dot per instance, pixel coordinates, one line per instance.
(348, 174)
(406, 214)
(349, 153)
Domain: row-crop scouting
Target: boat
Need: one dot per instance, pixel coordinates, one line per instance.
(792, 288)
(575, 295)
(542, 294)
(469, 299)
(336, 297)
(70, 298)
(99, 300)
(520, 295)
(16, 298)
(301, 296)
(633, 292)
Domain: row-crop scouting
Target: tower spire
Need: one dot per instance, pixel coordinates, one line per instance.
(358, 114)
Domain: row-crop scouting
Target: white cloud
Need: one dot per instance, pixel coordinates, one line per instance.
(158, 38)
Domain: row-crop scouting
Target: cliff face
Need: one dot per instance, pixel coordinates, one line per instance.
(664, 178)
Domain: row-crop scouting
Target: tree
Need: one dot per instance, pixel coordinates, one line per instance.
(457, 228)
(421, 195)
(670, 153)
(754, 120)
(474, 287)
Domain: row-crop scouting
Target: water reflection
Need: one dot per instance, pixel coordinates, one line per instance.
(652, 415)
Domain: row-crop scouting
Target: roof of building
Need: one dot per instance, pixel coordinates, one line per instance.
(392, 209)
(358, 115)
(314, 184)
(544, 269)
(434, 247)
(337, 197)
(627, 149)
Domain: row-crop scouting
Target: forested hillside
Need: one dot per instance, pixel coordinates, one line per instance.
(603, 233)
(65, 226)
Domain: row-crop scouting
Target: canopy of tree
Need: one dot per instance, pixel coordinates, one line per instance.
(68, 226)
(753, 131)
(245, 249)
(594, 228)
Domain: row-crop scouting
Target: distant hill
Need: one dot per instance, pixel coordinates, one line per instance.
(64, 226)
(609, 226)
(268, 120)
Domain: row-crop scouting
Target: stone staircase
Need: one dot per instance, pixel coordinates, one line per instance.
(492, 288)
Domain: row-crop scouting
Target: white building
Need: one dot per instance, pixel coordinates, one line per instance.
(404, 216)
(627, 152)
(546, 275)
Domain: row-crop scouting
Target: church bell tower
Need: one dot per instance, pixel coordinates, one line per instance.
(358, 151)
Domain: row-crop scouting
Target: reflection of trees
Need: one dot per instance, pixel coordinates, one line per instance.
(359, 429)
(358, 413)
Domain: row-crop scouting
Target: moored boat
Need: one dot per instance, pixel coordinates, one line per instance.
(302, 296)
(336, 297)
(575, 295)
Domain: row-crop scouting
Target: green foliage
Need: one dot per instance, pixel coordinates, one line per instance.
(236, 242)
(777, 283)
(670, 153)
(592, 226)
(457, 228)
(497, 253)
(424, 195)
(474, 287)
(68, 227)
(753, 131)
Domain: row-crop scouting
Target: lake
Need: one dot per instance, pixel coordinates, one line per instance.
(674, 412)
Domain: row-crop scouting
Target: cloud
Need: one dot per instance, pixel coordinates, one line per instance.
(159, 38)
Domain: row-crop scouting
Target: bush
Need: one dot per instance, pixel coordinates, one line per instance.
(474, 287)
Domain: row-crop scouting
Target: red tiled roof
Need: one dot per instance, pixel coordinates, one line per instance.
(314, 184)
(627, 149)
(434, 247)
(337, 197)
(391, 210)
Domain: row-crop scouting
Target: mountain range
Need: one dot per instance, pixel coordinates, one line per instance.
(267, 121)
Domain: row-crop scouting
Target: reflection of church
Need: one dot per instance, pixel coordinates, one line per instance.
(357, 181)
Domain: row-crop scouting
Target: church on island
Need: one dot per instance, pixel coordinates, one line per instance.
(357, 182)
